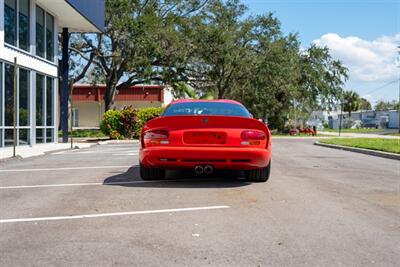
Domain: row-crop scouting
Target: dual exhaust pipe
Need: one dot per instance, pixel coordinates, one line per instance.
(207, 169)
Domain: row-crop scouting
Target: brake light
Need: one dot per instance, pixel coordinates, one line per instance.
(253, 135)
(156, 134)
(155, 137)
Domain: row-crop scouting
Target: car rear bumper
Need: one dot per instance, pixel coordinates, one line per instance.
(219, 157)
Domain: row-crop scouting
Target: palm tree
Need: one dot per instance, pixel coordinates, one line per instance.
(351, 102)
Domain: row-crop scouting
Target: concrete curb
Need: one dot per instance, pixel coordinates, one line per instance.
(362, 151)
(108, 142)
(37, 153)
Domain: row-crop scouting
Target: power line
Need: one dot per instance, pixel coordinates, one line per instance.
(381, 87)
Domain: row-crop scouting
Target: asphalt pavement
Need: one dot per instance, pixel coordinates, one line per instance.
(89, 207)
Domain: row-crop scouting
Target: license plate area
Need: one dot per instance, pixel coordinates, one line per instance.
(204, 138)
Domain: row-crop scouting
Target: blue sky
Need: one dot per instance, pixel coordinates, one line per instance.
(363, 34)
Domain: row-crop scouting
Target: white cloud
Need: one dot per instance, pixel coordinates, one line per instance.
(367, 60)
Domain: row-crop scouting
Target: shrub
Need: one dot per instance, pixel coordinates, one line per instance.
(128, 121)
(144, 115)
(111, 123)
(115, 135)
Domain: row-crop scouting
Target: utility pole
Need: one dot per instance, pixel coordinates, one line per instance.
(15, 108)
(398, 104)
(341, 116)
(70, 116)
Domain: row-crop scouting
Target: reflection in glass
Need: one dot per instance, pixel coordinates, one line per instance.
(39, 100)
(49, 136)
(8, 137)
(23, 97)
(10, 22)
(49, 37)
(49, 101)
(8, 95)
(39, 136)
(23, 24)
(39, 32)
(24, 137)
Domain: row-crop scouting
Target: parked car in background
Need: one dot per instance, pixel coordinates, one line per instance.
(204, 135)
(370, 123)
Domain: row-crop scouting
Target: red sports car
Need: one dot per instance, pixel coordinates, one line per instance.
(205, 135)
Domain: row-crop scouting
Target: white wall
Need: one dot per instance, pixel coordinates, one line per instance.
(168, 96)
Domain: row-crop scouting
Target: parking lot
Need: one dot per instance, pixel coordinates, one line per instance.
(89, 207)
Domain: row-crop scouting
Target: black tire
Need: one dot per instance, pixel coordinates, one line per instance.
(151, 173)
(258, 175)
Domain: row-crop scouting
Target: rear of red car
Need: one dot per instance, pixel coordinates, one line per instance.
(203, 136)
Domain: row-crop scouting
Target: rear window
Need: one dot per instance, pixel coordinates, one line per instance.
(206, 108)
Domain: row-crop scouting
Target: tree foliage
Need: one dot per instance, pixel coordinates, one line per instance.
(351, 102)
(213, 49)
(387, 105)
(365, 104)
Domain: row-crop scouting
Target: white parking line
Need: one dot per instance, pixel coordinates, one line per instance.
(110, 214)
(94, 152)
(82, 184)
(66, 168)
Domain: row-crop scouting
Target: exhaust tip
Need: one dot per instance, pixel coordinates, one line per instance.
(199, 169)
(208, 169)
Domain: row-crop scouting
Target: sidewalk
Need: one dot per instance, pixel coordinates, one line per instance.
(37, 150)
(360, 135)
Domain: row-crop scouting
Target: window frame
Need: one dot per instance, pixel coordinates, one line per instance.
(29, 26)
(46, 127)
(54, 32)
(16, 43)
(31, 127)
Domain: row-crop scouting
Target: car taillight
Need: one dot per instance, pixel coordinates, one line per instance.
(156, 137)
(252, 137)
(156, 134)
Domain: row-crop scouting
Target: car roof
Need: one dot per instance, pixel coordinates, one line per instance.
(189, 100)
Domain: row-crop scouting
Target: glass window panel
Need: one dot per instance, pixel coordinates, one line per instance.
(8, 137)
(8, 95)
(49, 37)
(39, 136)
(49, 136)
(23, 97)
(1, 137)
(10, 22)
(23, 26)
(49, 102)
(39, 32)
(23, 137)
(39, 100)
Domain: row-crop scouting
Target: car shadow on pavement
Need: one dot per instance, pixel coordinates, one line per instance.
(178, 179)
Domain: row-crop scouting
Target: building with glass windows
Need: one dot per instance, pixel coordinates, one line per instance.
(29, 31)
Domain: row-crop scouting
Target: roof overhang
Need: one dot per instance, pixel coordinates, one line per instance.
(77, 15)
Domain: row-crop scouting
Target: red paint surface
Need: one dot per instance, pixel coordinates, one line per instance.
(190, 141)
(133, 93)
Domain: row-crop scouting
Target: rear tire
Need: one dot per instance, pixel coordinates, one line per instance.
(148, 174)
(258, 175)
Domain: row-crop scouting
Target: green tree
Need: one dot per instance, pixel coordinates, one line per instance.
(142, 43)
(387, 105)
(351, 101)
(221, 48)
(212, 49)
(365, 104)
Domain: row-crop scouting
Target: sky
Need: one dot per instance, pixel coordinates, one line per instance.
(362, 34)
